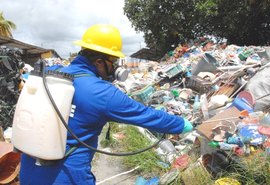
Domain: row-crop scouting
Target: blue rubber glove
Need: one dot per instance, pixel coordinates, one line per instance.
(187, 127)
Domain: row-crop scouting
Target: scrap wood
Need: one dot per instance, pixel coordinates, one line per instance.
(226, 89)
(206, 127)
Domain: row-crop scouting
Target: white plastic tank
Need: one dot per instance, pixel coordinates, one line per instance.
(37, 129)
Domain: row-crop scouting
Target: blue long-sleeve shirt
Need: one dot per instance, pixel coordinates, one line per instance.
(95, 102)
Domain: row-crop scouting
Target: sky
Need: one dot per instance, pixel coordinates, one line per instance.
(56, 24)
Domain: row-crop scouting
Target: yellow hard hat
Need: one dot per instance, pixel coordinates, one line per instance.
(103, 38)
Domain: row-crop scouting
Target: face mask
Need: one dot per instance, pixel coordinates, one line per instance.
(121, 74)
(118, 73)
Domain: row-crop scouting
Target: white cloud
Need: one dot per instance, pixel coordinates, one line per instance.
(55, 24)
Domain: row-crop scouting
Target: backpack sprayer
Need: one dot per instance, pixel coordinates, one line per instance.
(41, 107)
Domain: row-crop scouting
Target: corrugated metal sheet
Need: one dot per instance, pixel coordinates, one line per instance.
(30, 49)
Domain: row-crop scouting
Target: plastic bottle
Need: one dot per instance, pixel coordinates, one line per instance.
(37, 129)
(196, 104)
(204, 106)
(226, 146)
(235, 140)
(168, 148)
(213, 144)
(175, 93)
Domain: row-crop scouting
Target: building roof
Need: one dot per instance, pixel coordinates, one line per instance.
(27, 48)
(148, 54)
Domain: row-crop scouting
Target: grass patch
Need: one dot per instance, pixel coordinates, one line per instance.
(253, 170)
(148, 160)
(196, 174)
(133, 141)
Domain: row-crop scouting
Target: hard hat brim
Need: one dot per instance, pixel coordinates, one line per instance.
(99, 49)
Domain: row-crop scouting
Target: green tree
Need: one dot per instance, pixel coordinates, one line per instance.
(165, 23)
(6, 26)
(242, 22)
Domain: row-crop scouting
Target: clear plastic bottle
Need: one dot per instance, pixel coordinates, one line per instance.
(196, 104)
(204, 106)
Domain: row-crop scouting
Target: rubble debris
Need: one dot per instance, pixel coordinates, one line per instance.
(222, 90)
(10, 77)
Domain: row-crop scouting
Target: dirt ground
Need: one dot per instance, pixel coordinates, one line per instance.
(105, 167)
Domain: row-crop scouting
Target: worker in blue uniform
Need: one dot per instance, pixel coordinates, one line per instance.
(96, 102)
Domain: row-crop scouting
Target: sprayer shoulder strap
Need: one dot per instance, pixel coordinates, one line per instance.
(71, 150)
(82, 75)
(77, 75)
(75, 147)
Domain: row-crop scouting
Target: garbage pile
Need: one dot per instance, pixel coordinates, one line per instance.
(55, 61)
(11, 69)
(223, 90)
(11, 65)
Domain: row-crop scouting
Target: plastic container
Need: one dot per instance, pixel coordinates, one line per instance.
(227, 181)
(262, 53)
(174, 70)
(167, 146)
(144, 94)
(9, 163)
(37, 129)
(161, 96)
(207, 64)
(198, 84)
(242, 104)
(168, 149)
(245, 54)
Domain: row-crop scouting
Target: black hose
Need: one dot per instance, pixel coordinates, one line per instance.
(75, 137)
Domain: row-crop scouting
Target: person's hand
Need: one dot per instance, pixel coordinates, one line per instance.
(187, 127)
